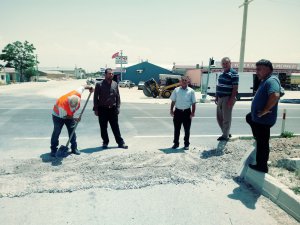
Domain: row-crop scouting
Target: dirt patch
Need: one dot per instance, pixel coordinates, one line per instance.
(281, 149)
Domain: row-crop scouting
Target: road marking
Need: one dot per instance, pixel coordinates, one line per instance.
(37, 138)
(199, 135)
(202, 117)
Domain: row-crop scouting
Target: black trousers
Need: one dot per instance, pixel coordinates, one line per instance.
(109, 115)
(182, 117)
(261, 133)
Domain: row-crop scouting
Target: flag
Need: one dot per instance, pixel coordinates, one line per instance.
(115, 55)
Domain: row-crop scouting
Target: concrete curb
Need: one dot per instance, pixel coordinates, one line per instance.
(270, 187)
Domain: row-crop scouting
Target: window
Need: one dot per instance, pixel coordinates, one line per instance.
(2, 77)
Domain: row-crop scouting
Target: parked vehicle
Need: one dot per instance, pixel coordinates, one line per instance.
(141, 85)
(248, 84)
(126, 83)
(99, 78)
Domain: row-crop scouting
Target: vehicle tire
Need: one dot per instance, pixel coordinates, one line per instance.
(166, 94)
(147, 92)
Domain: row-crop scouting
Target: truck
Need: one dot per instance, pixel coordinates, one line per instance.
(248, 84)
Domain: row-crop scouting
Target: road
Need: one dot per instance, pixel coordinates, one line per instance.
(26, 127)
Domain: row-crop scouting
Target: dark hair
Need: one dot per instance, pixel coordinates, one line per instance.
(106, 70)
(265, 62)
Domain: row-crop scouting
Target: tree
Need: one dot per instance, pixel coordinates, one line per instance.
(30, 72)
(20, 55)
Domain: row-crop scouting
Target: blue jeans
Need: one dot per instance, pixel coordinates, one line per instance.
(58, 125)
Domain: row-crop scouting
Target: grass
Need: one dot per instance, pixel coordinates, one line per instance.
(296, 190)
(287, 134)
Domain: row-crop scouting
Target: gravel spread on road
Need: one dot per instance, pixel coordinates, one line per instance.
(121, 169)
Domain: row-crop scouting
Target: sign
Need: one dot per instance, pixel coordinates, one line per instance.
(121, 60)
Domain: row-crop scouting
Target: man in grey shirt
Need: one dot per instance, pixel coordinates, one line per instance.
(183, 98)
(107, 107)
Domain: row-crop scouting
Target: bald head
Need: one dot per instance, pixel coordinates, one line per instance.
(74, 101)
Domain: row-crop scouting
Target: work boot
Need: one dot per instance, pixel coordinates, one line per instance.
(76, 151)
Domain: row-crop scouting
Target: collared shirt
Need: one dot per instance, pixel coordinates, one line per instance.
(226, 81)
(106, 95)
(267, 87)
(183, 98)
(62, 113)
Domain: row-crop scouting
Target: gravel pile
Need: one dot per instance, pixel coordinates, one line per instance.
(116, 169)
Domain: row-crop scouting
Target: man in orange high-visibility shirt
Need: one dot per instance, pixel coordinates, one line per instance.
(63, 114)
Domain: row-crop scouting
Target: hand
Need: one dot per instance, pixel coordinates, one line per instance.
(77, 119)
(172, 113)
(230, 102)
(262, 113)
(96, 113)
(216, 100)
(192, 115)
(91, 89)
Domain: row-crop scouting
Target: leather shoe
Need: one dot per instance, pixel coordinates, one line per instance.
(186, 147)
(258, 168)
(123, 146)
(76, 151)
(104, 146)
(175, 146)
(223, 138)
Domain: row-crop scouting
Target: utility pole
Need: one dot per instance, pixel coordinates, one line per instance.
(243, 39)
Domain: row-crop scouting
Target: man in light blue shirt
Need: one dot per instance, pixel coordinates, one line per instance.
(183, 98)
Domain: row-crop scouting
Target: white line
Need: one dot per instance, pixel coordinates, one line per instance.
(200, 135)
(201, 117)
(37, 138)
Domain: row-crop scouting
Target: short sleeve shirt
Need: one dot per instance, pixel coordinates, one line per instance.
(226, 81)
(267, 87)
(183, 98)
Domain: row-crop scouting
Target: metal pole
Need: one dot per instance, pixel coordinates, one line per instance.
(243, 39)
(37, 68)
(283, 121)
(121, 65)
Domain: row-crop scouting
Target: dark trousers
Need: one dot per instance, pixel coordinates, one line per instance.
(109, 115)
(182, 117)
(261, 133)
(58, 125)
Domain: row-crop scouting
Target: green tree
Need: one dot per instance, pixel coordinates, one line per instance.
(30, 72)
(20, 55)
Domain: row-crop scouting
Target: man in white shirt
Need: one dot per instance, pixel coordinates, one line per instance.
(183, 98)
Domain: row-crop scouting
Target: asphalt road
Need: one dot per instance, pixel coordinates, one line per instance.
(26, 125)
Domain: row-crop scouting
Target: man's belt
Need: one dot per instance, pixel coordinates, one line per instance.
(183, 110)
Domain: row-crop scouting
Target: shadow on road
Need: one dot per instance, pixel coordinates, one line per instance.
(96, 149)
(244, 193)
(218, 151)
(171, 150)
(47, 158)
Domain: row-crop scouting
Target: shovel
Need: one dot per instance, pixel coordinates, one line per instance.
(63, 150)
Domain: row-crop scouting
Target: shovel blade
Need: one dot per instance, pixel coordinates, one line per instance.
(62, 152)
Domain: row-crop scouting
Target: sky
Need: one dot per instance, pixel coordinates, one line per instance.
(86, 33)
